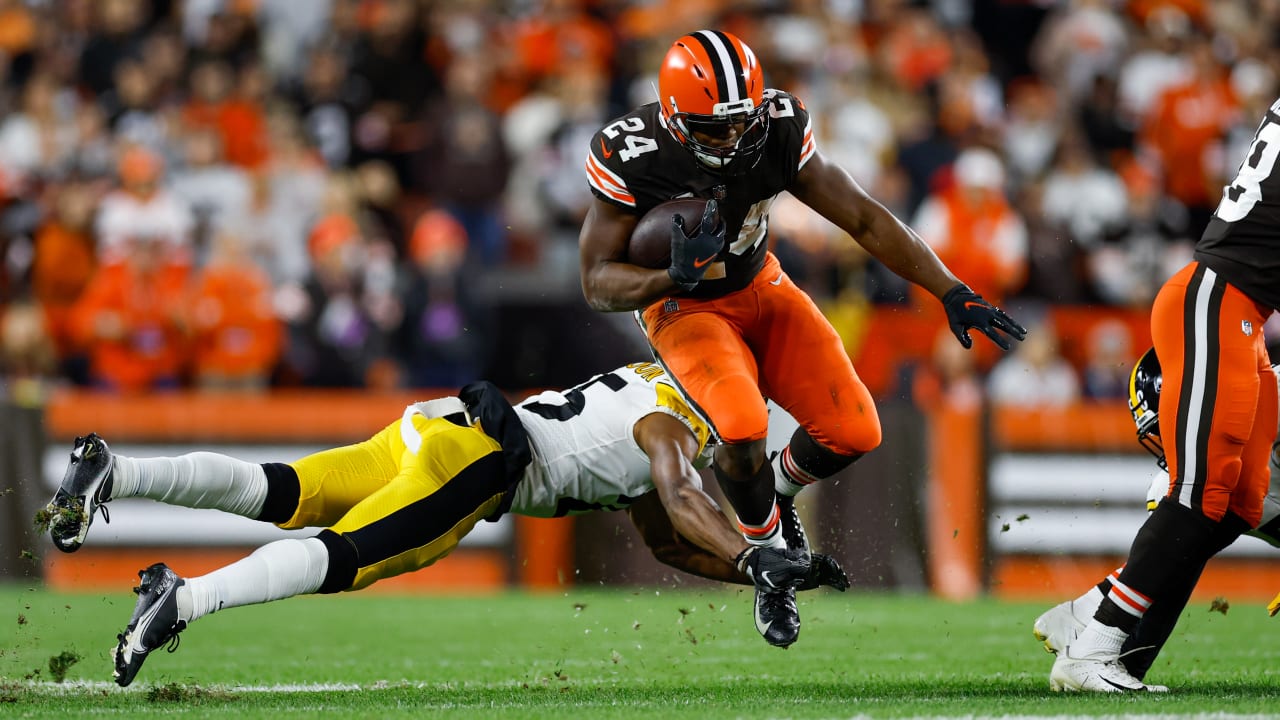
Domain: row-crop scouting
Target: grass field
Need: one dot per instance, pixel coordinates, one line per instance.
(643, 653)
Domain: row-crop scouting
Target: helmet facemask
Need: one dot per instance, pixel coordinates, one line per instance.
(707, 136)
(1144, 401)
(1149, 435)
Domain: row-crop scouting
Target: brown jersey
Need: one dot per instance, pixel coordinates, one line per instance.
(1242, 241)
(635, 164)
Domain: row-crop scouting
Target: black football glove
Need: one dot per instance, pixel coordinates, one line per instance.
(692, 254)
(824, 571)
(966, 309)
(772, 568)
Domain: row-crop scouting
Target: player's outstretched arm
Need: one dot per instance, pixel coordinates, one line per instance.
(672, 448)
(609, 282)
(667, 545)
(833, 193)
(685, 528)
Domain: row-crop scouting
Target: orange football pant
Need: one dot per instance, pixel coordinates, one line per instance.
(1218, 405)
(768, 340)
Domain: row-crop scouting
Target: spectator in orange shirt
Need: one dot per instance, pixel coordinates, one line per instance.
(64, 262)
(973, 228)
(1184, 123)
(235, 113)
(975, 231)
(236, 336)
(130, 319)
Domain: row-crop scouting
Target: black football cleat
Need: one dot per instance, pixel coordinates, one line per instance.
(85, 487)
(777, 617)
(154, 622)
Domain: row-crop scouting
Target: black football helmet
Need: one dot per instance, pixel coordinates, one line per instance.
(1144, 403)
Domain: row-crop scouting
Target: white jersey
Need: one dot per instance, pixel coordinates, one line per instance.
(585, 455)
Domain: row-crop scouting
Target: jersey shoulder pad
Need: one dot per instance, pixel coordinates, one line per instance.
(623, 150)
(670, 400)
(790, 125)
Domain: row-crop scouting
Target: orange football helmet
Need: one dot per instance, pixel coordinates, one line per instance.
(711, 89)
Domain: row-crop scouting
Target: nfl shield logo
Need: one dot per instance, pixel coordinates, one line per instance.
(1247, 328)
(670, 306)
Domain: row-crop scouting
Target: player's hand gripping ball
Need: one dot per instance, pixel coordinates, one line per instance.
(683, 236)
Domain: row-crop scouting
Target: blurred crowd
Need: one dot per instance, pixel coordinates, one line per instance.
(247, 194)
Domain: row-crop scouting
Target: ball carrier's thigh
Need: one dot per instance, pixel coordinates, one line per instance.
(700, 344)
(806, 371)
(1218, 402)
(415, 514)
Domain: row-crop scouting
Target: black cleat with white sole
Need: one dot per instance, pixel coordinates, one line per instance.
(777, 617)
(86, 486)
(154, 622)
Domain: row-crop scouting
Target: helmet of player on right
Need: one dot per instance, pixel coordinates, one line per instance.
(711, 88)
(1144, 404)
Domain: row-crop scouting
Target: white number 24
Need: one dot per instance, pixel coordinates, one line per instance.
(635, 145)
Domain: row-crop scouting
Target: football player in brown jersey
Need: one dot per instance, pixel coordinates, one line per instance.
(1058, 627)
(1218, 406)
(724, 319)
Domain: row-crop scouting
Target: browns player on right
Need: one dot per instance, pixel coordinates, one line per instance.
(1058, 627)
(1219, 399)
(724, 320)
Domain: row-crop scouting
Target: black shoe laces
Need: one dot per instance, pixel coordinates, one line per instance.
(776, 603)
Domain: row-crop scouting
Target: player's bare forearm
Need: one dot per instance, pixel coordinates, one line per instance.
(620, 287)
(609, 283)
(696, 561)
(694, 515)
(832, 193)
(667, 545)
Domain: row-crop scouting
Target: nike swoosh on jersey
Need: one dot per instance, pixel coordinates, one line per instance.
(606, 151)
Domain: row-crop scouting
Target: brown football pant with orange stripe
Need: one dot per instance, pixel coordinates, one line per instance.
(1218, 405)
(768, 340)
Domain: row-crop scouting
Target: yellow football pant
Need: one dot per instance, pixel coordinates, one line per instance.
(399, 510)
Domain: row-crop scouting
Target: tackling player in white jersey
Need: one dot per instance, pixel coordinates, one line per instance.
(405, 498)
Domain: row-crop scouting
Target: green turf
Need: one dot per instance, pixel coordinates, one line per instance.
(604, 654)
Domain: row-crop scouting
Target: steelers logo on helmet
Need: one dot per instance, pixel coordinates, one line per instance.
(711, 88)
(1144, 401)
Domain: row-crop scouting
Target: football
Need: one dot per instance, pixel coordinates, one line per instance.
(650, 243)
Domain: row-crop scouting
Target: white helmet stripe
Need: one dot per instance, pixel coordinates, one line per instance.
(723, 60)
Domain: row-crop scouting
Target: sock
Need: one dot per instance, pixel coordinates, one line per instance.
(1123, 608)
(1098, 642)
(803, 462)
(1104, 586)
(275, 571)
(768, 534)
(788, 478)
(196, 480)
(1084, 607)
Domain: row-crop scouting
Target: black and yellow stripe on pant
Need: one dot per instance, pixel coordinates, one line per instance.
(391, 510)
